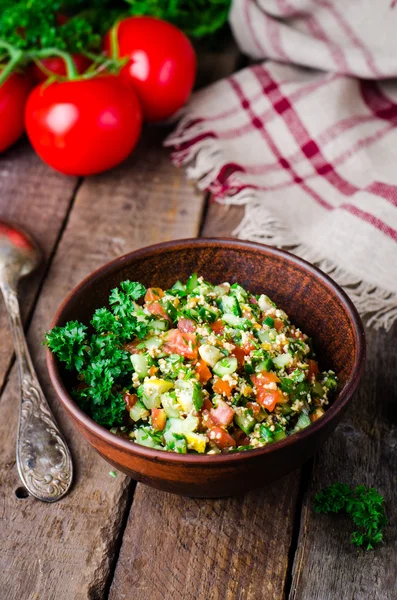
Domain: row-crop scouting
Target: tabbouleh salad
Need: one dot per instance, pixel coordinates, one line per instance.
(198, 368)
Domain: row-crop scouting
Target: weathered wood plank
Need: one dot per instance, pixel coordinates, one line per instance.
(363, 450)
(37, 198)
(65, 550)
(226, 549)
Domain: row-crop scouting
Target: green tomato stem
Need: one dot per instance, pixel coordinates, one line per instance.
(16, 58)
(71, 70)
(114, 42)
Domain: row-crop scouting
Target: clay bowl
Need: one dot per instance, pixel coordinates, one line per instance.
(310, 298)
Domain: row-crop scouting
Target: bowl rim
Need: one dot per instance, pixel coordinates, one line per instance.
(217, 459)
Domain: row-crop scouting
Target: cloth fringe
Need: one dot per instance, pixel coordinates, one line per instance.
(204, 161)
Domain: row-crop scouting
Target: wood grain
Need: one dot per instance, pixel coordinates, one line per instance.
(363, 450)
(226, 549)
(64, 551)
(37, 198)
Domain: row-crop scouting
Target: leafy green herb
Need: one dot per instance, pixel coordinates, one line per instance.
(365, 507)
(104, 366)
(113, 474)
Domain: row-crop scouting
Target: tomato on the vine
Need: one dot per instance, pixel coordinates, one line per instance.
(13, 95)
(56, 66)
(161, 64)
(83, 126)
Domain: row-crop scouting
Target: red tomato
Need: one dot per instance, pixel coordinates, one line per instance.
(240, 352)
(186, 325)
(278, 324)
(184, 344)
(56, 65)
(155, 308)
(241, 438)
(222, 387)
(268, 398)
(153, 294)
(222, 414)
(203, 372)
(313, 370)
(256, 409)
(217, 327)
(13, 95)
(82, 127)
(159, 418)
(222, 438)
(161, 65)
(130, 400)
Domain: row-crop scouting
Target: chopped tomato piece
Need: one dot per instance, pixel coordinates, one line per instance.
(203, 372)
(186, 325)
(221, 438)
(155, 308)
(217, 327)
(241, 438)
(313, 370)
(278, 324)
(153, 370)
(269, 398)
(253, 300)
(222, 414)
(256, 409)
(159, 418)
(207, 404)
(240, 352)
(153, 294)
(222, 387)
(130, 400)
(264, 378)
(184, 344)
(132, 346)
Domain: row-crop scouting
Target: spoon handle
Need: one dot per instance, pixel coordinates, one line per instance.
(43, 458)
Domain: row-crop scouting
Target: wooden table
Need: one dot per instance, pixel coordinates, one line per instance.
(113, 538)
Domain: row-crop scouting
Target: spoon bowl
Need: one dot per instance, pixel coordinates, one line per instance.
(19, 254)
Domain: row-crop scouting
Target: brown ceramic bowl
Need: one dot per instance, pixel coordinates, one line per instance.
(310, 298)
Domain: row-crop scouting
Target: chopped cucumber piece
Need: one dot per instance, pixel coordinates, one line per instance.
(170, 405)
(143, 437)
(279, 435)
(179, 286)
(237, 322)
(302, 422)
(152, 390)
(184, 393)
(264, 365)
(245, 420)
(269, 321)
(219, 290)
(138, 411)
(267, 335)
(226, 366)
(140, 364)
(282, 360)
(230, 305)
(210, 354)
(192, 283)
(266, 434)
(239, 292)
(153, 342)
(265, 303)
(181, 426)
(176, 442)
(160, 325)
(206, 314)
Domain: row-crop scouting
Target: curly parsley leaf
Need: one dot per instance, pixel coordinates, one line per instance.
(103, 365)
(365, 507)
(69, 344)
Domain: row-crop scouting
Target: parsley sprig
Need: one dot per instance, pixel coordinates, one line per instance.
(103, 365)
(365, 507)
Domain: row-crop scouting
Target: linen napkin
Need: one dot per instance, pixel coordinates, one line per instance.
(310, 152)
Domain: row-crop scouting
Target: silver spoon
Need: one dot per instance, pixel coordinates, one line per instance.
(43, 458)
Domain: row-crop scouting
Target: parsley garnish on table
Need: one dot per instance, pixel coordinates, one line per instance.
(103, 365)
(365, 507)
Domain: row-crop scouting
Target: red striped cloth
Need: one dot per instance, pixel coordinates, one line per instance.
(311, 153)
